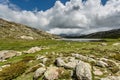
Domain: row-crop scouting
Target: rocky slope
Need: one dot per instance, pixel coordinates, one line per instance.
(19, 31)
(74, 66)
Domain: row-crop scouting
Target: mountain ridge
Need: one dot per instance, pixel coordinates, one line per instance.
(114, 33)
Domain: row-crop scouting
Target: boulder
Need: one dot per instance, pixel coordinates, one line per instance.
(27, 37)
(81, 57)
(111, 78)
(4, 66)
(38, 73)
(103, 44)
(101, 64)
(116, 44)
(51, 73)
(6, 54)
(39, 57)
(97, 72)
(60, 62)
(84, 58)
(83, 71)
(44, 60)
(71, 64)
(33, 50)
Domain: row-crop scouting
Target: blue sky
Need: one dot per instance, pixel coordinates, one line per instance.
(31, 5)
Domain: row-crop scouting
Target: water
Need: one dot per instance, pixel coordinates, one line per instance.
(82, 39)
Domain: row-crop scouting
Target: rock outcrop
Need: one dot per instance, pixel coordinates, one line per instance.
(83, 71)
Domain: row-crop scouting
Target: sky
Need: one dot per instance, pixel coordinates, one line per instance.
(31, 5)
(63, 16)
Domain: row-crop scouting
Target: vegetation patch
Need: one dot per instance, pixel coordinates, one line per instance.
(15, 70)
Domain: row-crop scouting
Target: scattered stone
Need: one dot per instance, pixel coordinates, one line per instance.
(81, 57)
(44, 60)
(6, 54)
(33, 50)
(83, 71)
(30, 61)
(71, 65)
(101, 64)
(42, 64)
(27, 37)
(51, 73)
(116, 44)
(4, 66)
(39, 57)
(103, 44)
(38, 73)
(111, 78)
(8, 65)
(84, 58)
(97, 72)
(71, 59)
(0, 69)
(60, 62)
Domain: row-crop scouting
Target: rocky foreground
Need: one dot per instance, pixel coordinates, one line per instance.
(71, 67)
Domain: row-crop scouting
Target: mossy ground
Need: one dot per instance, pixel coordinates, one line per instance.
(57, 47)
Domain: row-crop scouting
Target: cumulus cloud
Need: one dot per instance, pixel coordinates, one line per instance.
(73, 17)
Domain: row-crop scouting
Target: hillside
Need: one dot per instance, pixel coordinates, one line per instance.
(104, 34)
(20, 31)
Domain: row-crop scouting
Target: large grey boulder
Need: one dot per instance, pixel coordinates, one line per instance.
(38, 73)
(83, 71)
(60, 62)
(101, 64)
(84, 58)
(71, 65)
(68, 62)
(33, 50)
(111, 78)
(51, 73)
(6, 54)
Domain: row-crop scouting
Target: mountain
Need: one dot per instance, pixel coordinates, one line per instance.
(115, 33)
(20, 31)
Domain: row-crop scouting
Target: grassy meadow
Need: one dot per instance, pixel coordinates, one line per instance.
(51, 47)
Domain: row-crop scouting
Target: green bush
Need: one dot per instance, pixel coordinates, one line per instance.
(114, 69)
(33, 69)
(15, 70)
(28, 58)
(117, 57)
(65, 75)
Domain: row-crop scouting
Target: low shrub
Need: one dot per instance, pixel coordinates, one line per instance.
(28, 58)
(33, 69)
(15, 70)
(65, 75)
(114, 69)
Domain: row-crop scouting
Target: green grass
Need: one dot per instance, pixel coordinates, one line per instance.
(59, 47)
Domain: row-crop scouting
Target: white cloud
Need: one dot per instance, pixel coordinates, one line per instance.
(74, 17)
